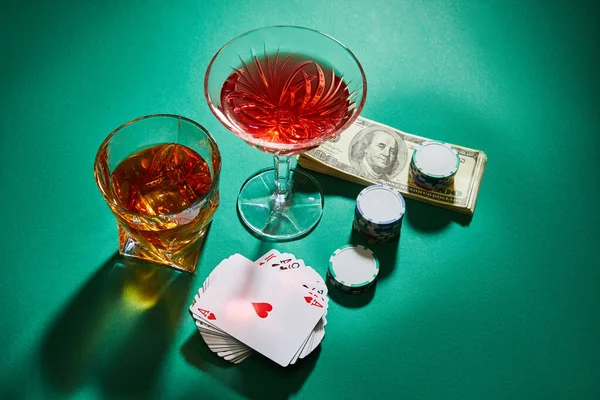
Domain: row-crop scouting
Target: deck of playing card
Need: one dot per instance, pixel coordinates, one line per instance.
(275, 306)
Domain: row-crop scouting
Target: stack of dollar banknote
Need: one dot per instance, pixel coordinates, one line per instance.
(369, 152)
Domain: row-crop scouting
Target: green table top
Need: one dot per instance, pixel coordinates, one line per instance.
(504, 305)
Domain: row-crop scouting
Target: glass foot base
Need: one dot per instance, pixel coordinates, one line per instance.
(276, 217)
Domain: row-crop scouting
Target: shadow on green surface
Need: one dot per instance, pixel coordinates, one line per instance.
(351, 300)
(116, 330)
(261, 249)
(335, 186)
(429, 218)
(422, 216)
(254, 378)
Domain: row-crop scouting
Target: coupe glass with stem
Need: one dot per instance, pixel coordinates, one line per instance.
(284, 90)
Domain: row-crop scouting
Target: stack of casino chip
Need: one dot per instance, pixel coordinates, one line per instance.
(378, 213)
(434, 165)
(353, 269)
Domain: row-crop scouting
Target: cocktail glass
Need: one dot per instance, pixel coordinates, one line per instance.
(284, 90)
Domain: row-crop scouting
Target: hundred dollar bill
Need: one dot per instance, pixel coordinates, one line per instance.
(369, 152)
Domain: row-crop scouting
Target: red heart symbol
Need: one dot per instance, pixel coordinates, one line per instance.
(312, 302)
(207, 314)
(262, 309)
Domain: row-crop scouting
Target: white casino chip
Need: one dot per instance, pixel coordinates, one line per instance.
(380, 204)
(353, 266)
(436, 159)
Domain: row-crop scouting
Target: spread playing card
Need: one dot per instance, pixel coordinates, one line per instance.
(275, 306)
(262, 310)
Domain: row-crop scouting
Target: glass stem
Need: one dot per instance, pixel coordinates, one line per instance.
(282, 174)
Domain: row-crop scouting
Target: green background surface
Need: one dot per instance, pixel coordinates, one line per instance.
(505, 305)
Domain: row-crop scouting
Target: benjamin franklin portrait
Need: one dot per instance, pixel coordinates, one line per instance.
(377, 153)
